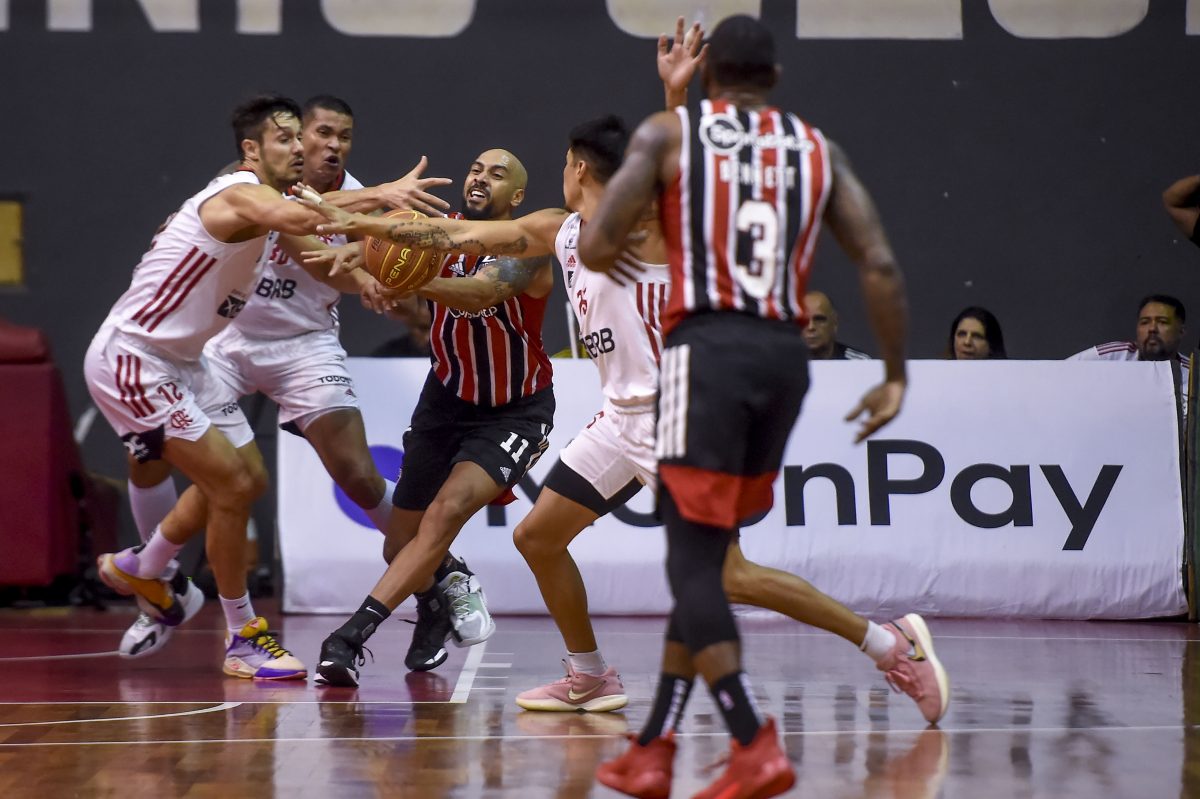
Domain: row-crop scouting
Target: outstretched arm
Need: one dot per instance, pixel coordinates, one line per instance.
(245, 210)
(854, 222)
(678, 61)
(651, 162)
(493, 284)
(1182, 201)
(408, 192)
(347, 282)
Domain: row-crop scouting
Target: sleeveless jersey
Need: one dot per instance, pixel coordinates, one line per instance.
(621, 326)
(287, 300)
(189, 286)
(742, 218)
(489, 357)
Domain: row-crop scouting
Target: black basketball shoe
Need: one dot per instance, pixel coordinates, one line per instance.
(433, 628)
(340, 660)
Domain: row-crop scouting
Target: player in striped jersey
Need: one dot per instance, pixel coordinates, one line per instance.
(482, 421)
(145, 371)
(743, 189)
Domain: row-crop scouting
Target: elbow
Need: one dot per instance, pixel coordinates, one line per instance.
(596, 257)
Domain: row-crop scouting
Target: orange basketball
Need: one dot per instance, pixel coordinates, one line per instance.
(401, 266)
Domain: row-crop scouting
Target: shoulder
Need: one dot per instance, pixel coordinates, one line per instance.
(350, 182)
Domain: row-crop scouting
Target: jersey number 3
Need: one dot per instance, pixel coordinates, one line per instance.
(757, 247)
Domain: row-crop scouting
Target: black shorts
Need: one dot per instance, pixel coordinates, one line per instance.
(730, 391)
(504, 441)
(568, 483)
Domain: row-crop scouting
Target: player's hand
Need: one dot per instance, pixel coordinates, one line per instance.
(339, 221)
(411, 192)
(679, 58)
(340, 260)
(881, 404)
(380, 299)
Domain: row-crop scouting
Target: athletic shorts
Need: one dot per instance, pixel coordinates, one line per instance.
(609, 461)
(505, 441)
(305, 375)
(145, 396)
(730, 390)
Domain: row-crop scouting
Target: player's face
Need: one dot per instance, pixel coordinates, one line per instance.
(970, 341)
(491, 188)
(327, 137)
(572, 191)
(1159, 332)
(280, 152)
(822, 326)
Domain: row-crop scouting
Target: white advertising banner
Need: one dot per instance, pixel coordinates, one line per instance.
(1009, 488)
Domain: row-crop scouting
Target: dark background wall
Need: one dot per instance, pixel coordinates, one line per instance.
(1020, 174)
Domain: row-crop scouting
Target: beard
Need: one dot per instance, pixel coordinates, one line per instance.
(474, 214)
(1153, 350)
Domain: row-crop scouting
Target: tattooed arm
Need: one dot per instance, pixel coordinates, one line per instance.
(526, 237)
(493, 284)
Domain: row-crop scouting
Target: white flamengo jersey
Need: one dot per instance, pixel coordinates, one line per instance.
(188, 286)
(620, 326)
(288, 301)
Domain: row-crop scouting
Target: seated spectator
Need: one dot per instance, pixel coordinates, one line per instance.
(975, 335)
(1159, 333)
(821, 333)
(1182, 201)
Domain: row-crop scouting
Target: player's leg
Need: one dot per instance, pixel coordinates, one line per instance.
(592, 478)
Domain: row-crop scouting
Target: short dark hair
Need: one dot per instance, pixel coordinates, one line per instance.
(327, 102)
(601, 143)
(1164, 299)
(991, 331)
(250, 117)
(741, 52)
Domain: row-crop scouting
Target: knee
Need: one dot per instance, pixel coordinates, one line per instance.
(737, 577)
(360, 481)
(391, 548)
(240, 488)
(259, 481)
(533, 546)
(444, 518)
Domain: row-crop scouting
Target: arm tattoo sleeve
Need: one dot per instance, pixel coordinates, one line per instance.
(430, 237)
(511, 276)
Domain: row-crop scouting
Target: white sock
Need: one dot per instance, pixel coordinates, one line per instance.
(588, 662)
(151, 505)
(878, 643)
(154, 557)
(238, 613)
(380, 514)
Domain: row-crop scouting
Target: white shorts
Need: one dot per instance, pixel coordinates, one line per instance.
(305, 375)
(616, 447)
(144, 396)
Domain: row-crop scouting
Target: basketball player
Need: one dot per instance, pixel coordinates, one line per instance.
(742, 190)
(481, 422)
(145, 370)
(285, 343)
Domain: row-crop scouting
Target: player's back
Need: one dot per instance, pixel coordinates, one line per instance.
(620, 324)
(741, 221)
(188, 285)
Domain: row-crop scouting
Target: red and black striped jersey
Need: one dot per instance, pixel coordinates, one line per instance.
(489, 357)
(741, 220)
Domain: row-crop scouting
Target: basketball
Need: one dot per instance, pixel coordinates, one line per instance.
(401, 266)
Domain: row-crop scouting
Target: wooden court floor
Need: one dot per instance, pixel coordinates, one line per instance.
(1053, 709)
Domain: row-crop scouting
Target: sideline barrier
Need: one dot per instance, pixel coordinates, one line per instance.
(1010, 488)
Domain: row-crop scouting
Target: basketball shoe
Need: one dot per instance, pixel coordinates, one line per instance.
(119, 571)
(427, 650)
(469, 617)
(340, 659)
(255, 654)
(643, 771)
(755, 771)
(146, 636)
(578, 691)
(912, 667)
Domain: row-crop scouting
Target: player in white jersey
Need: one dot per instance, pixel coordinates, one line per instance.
(145, 371)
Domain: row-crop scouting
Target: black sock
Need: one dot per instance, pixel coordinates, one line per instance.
(673, 693)
(732, 695)
(450, 564)
(179, 583)
(364, 621)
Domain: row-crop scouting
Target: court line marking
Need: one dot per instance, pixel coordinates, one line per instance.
(197, 712)
(466, 678)
(610, 736)
(72, 656)
(242, 702)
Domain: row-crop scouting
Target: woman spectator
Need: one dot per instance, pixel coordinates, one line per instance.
(975, 336)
